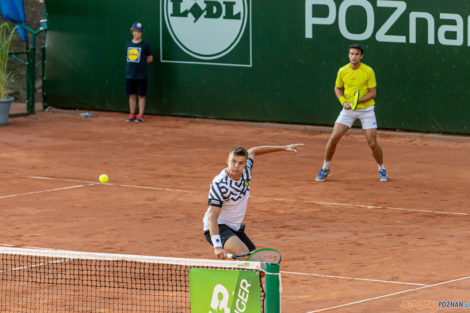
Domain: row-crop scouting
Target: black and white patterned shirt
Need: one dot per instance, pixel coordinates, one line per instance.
(231, 196)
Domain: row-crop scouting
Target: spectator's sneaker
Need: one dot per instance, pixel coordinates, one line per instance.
(131, 118)
(140, 118)
(383, 175)
(323, 174)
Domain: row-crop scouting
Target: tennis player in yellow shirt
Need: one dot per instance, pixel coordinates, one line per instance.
(352, 77)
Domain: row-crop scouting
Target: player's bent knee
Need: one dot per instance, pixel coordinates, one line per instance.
(235, 246)
(334, 139)
(373, 144)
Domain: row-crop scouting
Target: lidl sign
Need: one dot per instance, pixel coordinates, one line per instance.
(212, 32)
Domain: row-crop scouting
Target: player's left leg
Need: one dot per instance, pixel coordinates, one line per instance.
(235, 246)
(240, 243)
(244, 238)
(369, 124)
(371, 137)
(231, 242)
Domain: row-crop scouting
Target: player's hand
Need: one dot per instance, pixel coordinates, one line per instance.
(294, 147)
(347, 105)
(220, 253)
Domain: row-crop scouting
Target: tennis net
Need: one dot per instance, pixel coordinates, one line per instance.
(39, 280)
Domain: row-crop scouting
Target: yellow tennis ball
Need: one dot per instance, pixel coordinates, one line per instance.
(104, 178)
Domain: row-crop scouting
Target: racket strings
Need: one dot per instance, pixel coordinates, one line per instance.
(266, 256)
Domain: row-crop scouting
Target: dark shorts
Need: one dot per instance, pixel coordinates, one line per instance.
(226, 232)
(136, 87)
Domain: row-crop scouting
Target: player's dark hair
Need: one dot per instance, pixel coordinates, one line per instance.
(240, 151)
(356, 46)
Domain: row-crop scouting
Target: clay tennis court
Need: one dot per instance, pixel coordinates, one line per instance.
(350, 244)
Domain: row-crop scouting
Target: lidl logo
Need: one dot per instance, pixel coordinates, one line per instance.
(220, 298)
(133, 54)
(224, 291)
(216, 32)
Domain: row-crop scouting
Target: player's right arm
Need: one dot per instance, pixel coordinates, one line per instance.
(339, 84)
(340, 94)
(213, 218)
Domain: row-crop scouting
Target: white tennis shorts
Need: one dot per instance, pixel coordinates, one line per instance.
(367, 117)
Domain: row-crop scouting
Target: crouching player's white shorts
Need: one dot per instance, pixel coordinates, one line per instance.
(367, 117)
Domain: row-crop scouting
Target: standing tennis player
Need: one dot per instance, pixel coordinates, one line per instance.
(228, 199)
(351, 77)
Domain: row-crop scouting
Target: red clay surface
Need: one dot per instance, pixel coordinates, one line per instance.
(352, 225)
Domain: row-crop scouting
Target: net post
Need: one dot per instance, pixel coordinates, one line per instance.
(273, 301)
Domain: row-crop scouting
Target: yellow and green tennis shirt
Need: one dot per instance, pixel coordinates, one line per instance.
(361, 79)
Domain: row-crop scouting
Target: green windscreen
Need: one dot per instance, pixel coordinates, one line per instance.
(266, 61)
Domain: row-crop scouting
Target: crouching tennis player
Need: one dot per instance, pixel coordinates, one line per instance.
(228, 199)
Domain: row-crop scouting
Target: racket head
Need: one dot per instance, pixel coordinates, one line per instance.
(268, 255)
(355, 100)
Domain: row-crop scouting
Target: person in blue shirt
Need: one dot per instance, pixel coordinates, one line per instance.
(139, 54)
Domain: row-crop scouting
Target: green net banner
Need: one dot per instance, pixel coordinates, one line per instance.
(222, 291)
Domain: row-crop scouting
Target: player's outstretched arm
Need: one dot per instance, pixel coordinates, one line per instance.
(252, 152)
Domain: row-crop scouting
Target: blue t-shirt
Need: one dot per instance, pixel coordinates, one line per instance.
(136, 64)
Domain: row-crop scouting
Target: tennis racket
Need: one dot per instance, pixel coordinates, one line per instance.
(355, 100)
(267, 255)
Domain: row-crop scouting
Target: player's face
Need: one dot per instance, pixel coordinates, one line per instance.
(355, 56)
(235, 165)
(137, 34)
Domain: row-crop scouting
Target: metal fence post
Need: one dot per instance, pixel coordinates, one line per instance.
(31, 77)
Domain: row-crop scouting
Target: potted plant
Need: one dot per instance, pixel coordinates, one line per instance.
(6, 37)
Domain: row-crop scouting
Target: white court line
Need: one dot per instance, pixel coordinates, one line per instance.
(370, 206)
(63, 179)
(26, 247)
(41, 191)
(108, 184)
(155, 188)
(32, 266)
(390, 295)
(363, 206)
(387, 208)
(354, 278)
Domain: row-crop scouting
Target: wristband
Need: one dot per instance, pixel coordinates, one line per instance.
(342, 100)
(216, 241)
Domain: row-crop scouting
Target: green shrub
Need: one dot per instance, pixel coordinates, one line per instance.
(6, 37)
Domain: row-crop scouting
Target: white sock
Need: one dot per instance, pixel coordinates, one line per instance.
(381, 166)
(326, 165)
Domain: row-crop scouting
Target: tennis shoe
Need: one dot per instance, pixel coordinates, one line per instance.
(383, 175)
(131, 118)
(324, 172)
(140, 118)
